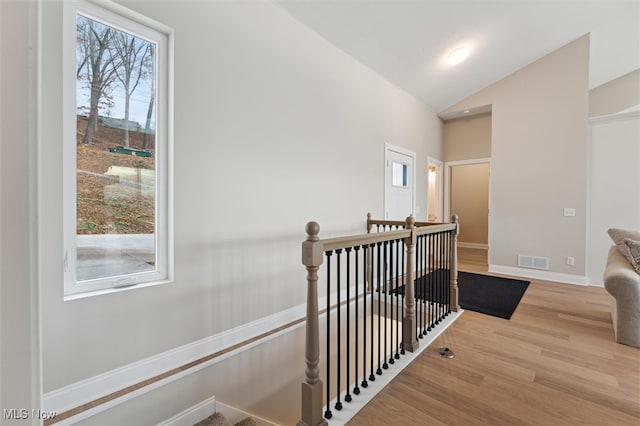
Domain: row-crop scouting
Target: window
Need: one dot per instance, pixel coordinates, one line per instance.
(399, 176)
(116, 151)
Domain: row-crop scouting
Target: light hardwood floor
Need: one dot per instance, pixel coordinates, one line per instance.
(555, 362)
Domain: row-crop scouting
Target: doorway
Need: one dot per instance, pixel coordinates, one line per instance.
(399, 183)
(467, 195)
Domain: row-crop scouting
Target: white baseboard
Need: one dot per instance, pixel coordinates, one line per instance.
(235, 415)
(194, 414)
(540, 275)
(206, 408)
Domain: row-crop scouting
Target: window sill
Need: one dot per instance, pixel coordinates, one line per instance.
(92, 293)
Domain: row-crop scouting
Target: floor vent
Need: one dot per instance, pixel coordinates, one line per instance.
(533, 262)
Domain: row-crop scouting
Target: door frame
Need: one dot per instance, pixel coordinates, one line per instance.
(439, 188)
(448, 165)
(389, 147)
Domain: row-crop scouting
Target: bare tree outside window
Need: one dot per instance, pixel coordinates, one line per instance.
(152, 100)
(115, 147)
(133, 57)
(96, 69)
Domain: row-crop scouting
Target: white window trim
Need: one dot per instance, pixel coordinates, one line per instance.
(127, 20)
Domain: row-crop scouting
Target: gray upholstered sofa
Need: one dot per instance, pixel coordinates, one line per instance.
(622, 281)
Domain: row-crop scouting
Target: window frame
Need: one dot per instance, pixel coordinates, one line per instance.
(123, 19)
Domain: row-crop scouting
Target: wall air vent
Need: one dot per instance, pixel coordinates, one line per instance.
(533, 262)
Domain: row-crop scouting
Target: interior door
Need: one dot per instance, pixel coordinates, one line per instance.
(399, 184)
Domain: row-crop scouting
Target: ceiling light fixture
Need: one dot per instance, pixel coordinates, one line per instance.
(458, 55)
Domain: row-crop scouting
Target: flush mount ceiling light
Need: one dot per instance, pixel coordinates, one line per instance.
(458, 55)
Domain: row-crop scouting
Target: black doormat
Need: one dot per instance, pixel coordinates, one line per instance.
(489, 295)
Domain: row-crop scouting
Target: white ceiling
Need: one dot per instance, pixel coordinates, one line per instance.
(406, 41)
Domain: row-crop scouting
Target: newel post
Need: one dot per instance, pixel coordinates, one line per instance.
(312, 385)
(409, 339)
(454, 265)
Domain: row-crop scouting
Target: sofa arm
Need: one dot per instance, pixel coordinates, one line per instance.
(623, 283)
(620, 279)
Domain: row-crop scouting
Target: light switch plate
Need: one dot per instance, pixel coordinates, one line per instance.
(569, 211)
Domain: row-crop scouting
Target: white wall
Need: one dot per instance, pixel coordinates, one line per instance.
(19, 323)
(539, 161)
(273, 127)
(614, 184)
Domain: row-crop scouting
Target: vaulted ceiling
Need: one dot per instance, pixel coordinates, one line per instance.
(407, 42)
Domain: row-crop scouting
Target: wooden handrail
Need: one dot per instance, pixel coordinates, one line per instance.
(371, 222)
(363, 239)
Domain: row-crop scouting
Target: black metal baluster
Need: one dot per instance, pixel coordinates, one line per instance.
(347, 396)
(437, 281)
(427, 295)
(372, 377)
(393, 286)
(452, 242)
(398, 273)
(419, 285)
(447, 288)
(421, 279)
(429, 274)
(327, 413)
(441, 275)
(445, 265)
(425, 299)
(365, 254)
(385, 288)
(404, 283)
(356, 389)
(338, 405)
(445, 268)
(425, 286)
(433, 272)
(379, 269)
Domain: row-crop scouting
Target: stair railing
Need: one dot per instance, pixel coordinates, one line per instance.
(392, 225)
(375, 277)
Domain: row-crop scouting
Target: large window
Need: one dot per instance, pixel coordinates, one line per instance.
(117, 147)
